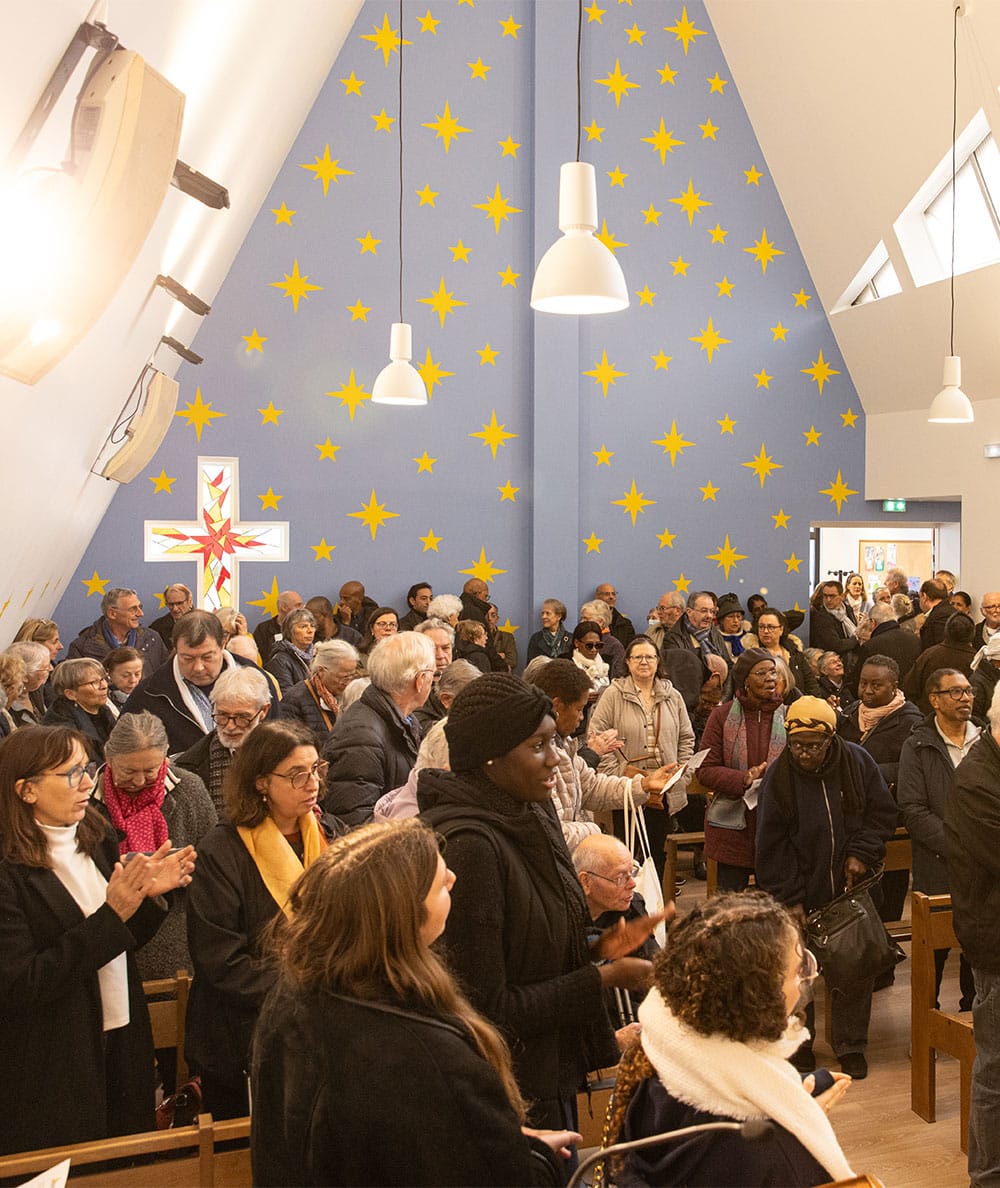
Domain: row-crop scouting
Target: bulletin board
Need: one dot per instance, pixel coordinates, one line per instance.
(876, 557)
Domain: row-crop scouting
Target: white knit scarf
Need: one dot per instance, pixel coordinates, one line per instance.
(739, 1080)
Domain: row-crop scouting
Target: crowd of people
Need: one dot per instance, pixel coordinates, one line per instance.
(388, 855)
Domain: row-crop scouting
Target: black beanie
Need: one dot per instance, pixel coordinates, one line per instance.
(490, 717)
(746, 663)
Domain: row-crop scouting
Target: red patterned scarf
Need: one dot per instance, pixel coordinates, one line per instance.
(138, 815)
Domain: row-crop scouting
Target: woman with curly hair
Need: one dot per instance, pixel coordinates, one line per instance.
(717, 1030)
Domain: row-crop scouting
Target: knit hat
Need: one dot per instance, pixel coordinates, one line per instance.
(810, 713)
(728, 604)
(490, 717)
(794, 618)
(746, 663)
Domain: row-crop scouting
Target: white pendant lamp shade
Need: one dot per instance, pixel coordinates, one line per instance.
(951, 406)
(578, 274)
(399, 382)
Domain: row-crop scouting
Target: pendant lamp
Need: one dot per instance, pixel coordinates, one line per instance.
(951, 406)
(399, 382)
(578, 274)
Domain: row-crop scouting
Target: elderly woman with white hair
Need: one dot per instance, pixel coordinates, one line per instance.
(314, 701)
(37, 665)
(81, 689)
(445, 606)
(374, 743)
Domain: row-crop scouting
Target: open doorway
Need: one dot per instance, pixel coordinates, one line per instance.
(837, 550)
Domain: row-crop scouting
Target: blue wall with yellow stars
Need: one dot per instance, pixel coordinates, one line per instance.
(687, 442)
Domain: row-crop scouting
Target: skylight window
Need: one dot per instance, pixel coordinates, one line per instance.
(876, 279)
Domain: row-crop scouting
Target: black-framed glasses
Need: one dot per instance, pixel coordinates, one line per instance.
(588, 647)
(299, 779)
(808, 748)
(95, 683)
(620, 881)
(243, 721)
(642, 659)
(74, 777)
(956, 693)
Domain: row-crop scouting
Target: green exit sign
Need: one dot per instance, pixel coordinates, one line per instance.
(894, 505)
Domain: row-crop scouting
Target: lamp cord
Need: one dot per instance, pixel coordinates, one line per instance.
(579, 89)
(401, 161)
(954, 136)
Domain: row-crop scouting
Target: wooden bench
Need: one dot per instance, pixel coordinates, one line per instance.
(934, 1030)
(167, 1015)
(670, 847)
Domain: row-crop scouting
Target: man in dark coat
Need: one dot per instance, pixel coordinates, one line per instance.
(120, 625)
(937, 611)
(178, 600)
(696, 631)
(889, 639)
(418, 598)
(989, 624)
(267, 633)
(833, 626)
(954, 652)
(621, 627)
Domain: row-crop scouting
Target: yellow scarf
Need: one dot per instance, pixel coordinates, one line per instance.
(276, 860)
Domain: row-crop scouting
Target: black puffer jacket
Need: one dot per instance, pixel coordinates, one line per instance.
(286, 666)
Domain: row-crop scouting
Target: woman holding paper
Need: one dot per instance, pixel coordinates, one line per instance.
(742, 737)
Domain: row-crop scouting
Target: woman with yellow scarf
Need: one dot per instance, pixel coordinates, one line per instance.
(274, 830)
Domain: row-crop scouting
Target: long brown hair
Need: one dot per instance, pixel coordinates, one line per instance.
(354, 929)
(263, 749)
(28, 753)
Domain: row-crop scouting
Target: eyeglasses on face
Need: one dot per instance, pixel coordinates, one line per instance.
(74, 777)
(808, 748)
(589, 646)
(642, 658)
(243, 721)
(956, 692)
(299, 779)
(621, 881)
(990, 606)
(96, 683)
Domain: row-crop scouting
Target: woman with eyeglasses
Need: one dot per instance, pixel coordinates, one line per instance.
(274, 831)
(718, 1027)
(74, 1029)
(81, 703)
(773, 636)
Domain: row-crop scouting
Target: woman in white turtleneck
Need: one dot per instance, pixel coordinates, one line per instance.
(73, 1020)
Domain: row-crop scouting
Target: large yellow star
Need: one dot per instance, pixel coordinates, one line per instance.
(849, 418)
(254, 341)
(608, 239)
(430, 541)
(762, 465)
(432, 373)
(666, 539)
(369, 243)
(716, 85)
(427, 195)
(358, 311)
(802, 299)
(268, 600)
(838, 491)
(690, 201)
(427, 23)
(727, 425)
(442, 302)
(762, 378)
(269, 501)
(605, 374)
(593, 542)
(494, 435)
(673, 443)
(709, 492)
(296, 286)
(509, 147)
(645, 295)
(682, 584)
(425, 463)
(812, 435)
(328, 449)
(479, 69)
(270, 415)
(510, 28)
(385, 39)
(488, 355)
(633, 502)
(485, 570)
(651, 215)
(661, 361)
(685, 30)
(508, 278)
(617, 84)
(446, 127)
(603, 456)
(199, 414)
(282, 215)
(497, 208)
(162, 483)
(709, 340)
(726, 557)
(459, 253)
(820, 371)
(383, 122)
(351, 395)
(781, 518)
(323, 550)
(95, 584)
(508, 492)
(373, 514)
(663, 142)
(326, 171)
(352, 86)
(764, 251)
(792, 563)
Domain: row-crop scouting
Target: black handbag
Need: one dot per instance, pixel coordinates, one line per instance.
(849, 941)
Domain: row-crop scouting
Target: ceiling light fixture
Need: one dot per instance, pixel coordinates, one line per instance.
(188, 299)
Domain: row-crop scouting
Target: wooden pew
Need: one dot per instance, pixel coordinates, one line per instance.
(167, 1016)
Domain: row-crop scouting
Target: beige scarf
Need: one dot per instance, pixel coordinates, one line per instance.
(276, 860)
(868, 719)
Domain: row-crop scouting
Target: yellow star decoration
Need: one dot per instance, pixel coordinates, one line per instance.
(373, 514)
(351, 396)
(95, 584)
(509, 147)
(820, 371)
(690, 201)
(762, 378)
(718, 234)
(727, 425)
(673, 443)
(282, 215)
(633, 503)
(684, 30)
(427, 23)
(479, 70)
(617, 177)
(430, 541)
(508, 277)
(593, 131)
(431, 373)
(802, 299)
(661, 361)
(385, 39)
(709, 492)
(162, 483)
(161, 600)
(726, 557)
(427, 195)
(270, 415)
(446, 127)
(383, 122)
(327, 450)
(605, 374)
(849, 418)
(779, 333)
(753, 175)
(608, 238)
(269, 501)
(327, 171)
(352, 86)
(369, 243)
(725, 287)
(781, 518)
(594, 13)
(508, 492)
(635, 34)
(762, 465)
(663, 142)
(645, 295)
(442, 302)
(510, 28)
(792, 563)
(666, 539)
(617, 83)
(682, 584)
(494, 435)
(425, 463)
(603, 456)
(459, 253)
(593, 542)
(651, 215)
(812, 435)
(199, 414)
(359, 312)
(497, 208)
(485, 570)
(254, 341)
(488, 355)
(716, 84)
(268, 600)
(296, 286)
(764, 251)
(667, 75)
(838, 491)
(323, 551)
(680, 266)
(709, 340)
(708, 130)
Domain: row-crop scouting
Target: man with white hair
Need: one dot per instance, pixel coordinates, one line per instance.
(989, 624)
(374, 743)
(268, 632)
(668, 612)
(889, 639)
(442, 636)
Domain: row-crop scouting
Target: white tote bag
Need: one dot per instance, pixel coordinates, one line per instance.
(647, 880)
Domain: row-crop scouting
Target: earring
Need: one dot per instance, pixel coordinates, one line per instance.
(489, 762)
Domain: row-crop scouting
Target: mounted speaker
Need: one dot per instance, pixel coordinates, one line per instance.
(146, 431)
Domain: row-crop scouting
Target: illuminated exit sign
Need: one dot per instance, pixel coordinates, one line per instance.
(894, 505)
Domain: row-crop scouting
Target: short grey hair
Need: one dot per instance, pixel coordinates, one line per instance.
(136, 732)
(394, 662)
(882, 612)
(456, 676)
(596, 611)
(244, 684)
(533, 667)
(825, 659)
(430, 624)
(71, 674)
(294, 618)
(673, 598)
(34, 656)
(443, 606)
(901, 605)
(227, 616)
(113, 597)
(331, 652)
(896, 575)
